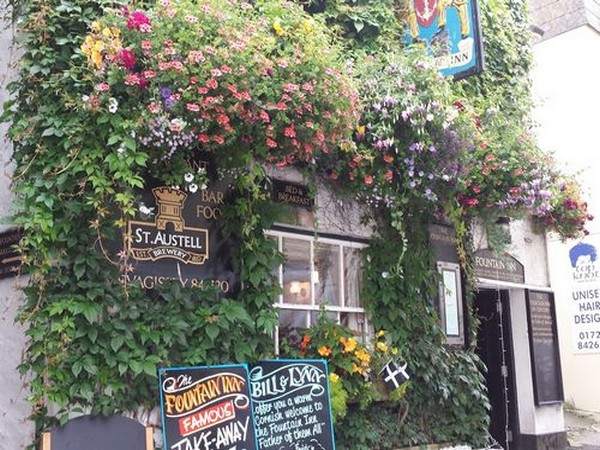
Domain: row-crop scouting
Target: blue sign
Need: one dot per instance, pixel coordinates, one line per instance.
(450, 30)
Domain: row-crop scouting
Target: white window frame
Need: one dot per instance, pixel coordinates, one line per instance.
(313, 239)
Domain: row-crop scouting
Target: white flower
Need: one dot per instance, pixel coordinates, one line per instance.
(204, 186)
(113, 105)
(145, 210)
(121, 150)
(429, 117)
(193, 188)
(385, 275)
(85, 98)
(188, 177)
(176, 187)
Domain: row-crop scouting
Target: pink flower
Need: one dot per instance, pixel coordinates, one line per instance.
(225, 69)
(195, 56)
(271, 143)
(127, 58)
(368, 180)
(202, 90)
(212, 84)
(132, 79)
(309, 124)
(192, 107)
(264, 116)
(389, 176)
(281, 106)
(290, 131)
(222, 120)
(290, 87)
(308, 87)
(149, 74)
(216, 73)
(153, 107)
(218, 139)
(146, 46)
(137, 19)
(203, 138)
(102, 87)
(177, 65)
(164, 65)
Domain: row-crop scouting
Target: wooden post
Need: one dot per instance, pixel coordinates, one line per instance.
(46, 441)
(149, 438)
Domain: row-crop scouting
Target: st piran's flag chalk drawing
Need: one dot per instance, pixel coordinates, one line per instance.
(292, 409)
(451, 31)
(206, 408)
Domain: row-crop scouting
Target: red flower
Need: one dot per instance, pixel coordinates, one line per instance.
(203, 137)
(202, 90)
(368, 180)
(271, 143)
(290, 131)
(470, 202)
(389, 176)
(222, 120)
(218, 139)
(388, 158)
(137, 20)
(264, 116)
(127, 58)
(192, 107)
(476, 189)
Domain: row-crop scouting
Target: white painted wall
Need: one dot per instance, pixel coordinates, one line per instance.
(566, 84)
(16, 431)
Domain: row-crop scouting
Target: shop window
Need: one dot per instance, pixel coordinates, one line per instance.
(318, 273)
(450, 305)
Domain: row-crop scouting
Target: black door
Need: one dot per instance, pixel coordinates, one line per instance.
(494, 342)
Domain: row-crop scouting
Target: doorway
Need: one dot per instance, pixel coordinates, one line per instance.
(494, 347)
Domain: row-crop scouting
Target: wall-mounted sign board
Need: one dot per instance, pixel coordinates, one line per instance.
(451, 31)
(293, 194)
(206, 408)
(291, 405)
(10, 259)
(500, 267)
(442, 239)
(179, 236)
(543, 342)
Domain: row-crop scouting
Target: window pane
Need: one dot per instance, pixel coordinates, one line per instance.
(356, 323)
(296, 271)
(450, 297)
(327, 274)
(314, 317)
(352, 276)
(291, 324)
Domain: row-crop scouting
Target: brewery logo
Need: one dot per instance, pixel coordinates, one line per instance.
(583, 258)
(168, 237)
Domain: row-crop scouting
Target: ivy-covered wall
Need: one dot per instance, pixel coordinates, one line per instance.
(94, 346)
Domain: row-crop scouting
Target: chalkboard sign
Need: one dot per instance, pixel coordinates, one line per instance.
(206, 408)
(10, 259)
(291, 405)
(98, 433)
(543, 341)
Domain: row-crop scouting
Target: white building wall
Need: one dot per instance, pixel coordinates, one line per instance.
(16, 431)
(566, 83)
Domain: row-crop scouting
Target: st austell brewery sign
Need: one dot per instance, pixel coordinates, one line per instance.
(179, 236)
(450, 30)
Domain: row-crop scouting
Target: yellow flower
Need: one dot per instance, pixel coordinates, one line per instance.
(106, 32)
(363, 356)
(349, 344)
(360, 129)
(324, 351)
(87, 45)
(381, 333)
(307, 26)
(382, 347)
(395, 351)
(279, 31)
(115, 32)
(95, 26)
(334, 377)
(98, 46)
(97, 58)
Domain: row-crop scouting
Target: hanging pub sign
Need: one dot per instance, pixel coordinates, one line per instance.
(10, 259)
(394, 374)
(293, 194)
(499, 267)
(543, 343)
(206, 408)
(442, 239)
(179, 236)
(292, 409)
(450, 30)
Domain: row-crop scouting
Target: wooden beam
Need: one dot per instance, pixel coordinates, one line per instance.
(149, 438)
